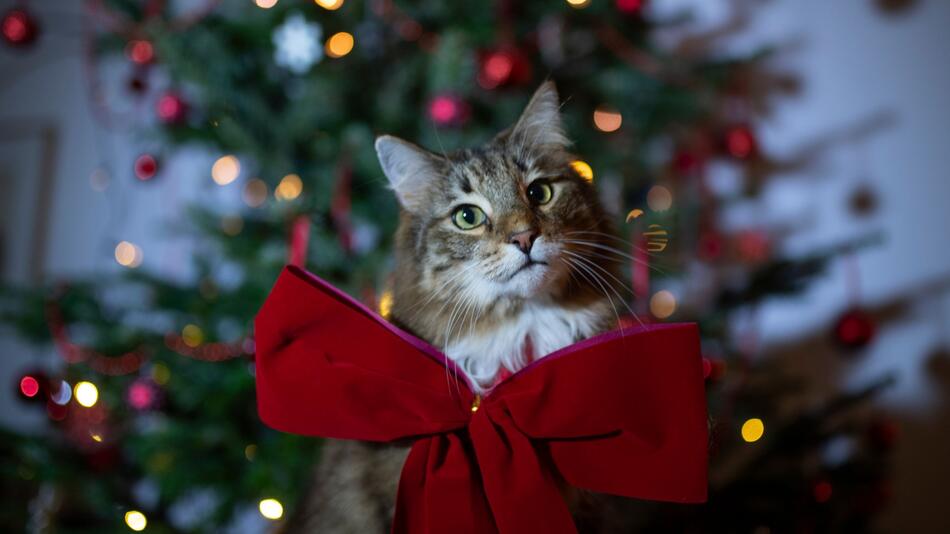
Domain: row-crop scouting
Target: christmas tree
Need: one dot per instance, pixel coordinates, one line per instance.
(153, 421)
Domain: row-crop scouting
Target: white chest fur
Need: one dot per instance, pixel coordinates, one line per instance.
(481, 356)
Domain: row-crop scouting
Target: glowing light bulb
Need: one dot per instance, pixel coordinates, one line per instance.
(128, 254)
(29, 386)
(339, 44)
(752, 430)
(289, 188)
(659, 198)
(583, 169)
(386, 304)
(271, 509)
(662, 304)
(135, 520)
(225, 170)
(578, 4)
(265, 4)
(86, 393)
(607, 119)
(331, 5)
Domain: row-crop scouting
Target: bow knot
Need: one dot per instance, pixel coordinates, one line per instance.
(621, 413)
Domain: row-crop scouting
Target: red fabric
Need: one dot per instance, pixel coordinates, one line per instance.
(621, 413)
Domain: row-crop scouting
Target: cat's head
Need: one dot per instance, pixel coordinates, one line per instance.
(494, 222)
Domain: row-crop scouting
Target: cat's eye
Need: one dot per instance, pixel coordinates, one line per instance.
(540, 192)
(468, 217)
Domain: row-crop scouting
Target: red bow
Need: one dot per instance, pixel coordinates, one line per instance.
(621, 413)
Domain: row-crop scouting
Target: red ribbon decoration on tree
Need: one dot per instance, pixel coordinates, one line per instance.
(622, 413)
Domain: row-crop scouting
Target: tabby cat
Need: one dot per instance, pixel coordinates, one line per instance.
(503, 254)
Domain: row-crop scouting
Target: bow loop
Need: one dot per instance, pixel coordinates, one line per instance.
(621, 413)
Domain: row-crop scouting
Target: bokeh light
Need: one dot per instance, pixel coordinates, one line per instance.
(225, 170)
(255, 193)
(339, 44)
(662, 304)
(250, 452)
(232, 225)
(140, 52)
(62, 395)
(271, 509)
(583, 169)
(329, 4)
(86, 393)
(135, 520)
(659, 198)
(578, 4)
(289, 188)
(192, 335)
(607, 119)
(29, 386)
(386, 304)
(128, 254)
(161, 374)
(265, 4)
(752, 430)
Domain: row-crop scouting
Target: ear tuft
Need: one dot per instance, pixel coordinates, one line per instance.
(411, 170)
(540, 123)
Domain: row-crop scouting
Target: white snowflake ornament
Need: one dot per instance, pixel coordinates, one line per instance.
(298, 44)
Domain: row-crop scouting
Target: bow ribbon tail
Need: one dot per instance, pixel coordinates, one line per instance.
(522, 491)
(440, 490)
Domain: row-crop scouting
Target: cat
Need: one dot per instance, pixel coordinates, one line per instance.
(503, 254)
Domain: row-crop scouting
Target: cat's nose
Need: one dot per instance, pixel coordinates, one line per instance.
(523, 240)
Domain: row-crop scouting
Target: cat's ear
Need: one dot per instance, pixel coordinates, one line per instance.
(411, 170)
(540, 123)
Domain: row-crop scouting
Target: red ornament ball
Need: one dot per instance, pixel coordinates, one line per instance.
(19, 28)
(822, 491)
(449, 110)
(146, 167)
(140, 51)
(630, 7)
(855, 329)
(171, 108)
(740, 142)
(503, 67)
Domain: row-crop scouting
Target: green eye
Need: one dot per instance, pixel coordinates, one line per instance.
(468, 217)
(540, 192)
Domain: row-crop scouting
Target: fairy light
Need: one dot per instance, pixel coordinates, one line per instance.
(225, 170)
(161, 374)
(135, 520)
(583, 169)
(265, 4)
(29, 386)
(659, 198)
(607, 120)
(386, 304)
(192, 335)
(662, 304)
(578, 4)
(331, 5)
(128, 254)
(271, 509)
(752, 430)
(289, 188)
(255, 193)
(232, 224)
(86, 393)
(339, 44)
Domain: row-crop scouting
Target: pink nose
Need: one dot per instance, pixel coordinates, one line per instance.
(523, 240)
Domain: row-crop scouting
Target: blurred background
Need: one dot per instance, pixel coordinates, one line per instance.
(777, 169)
